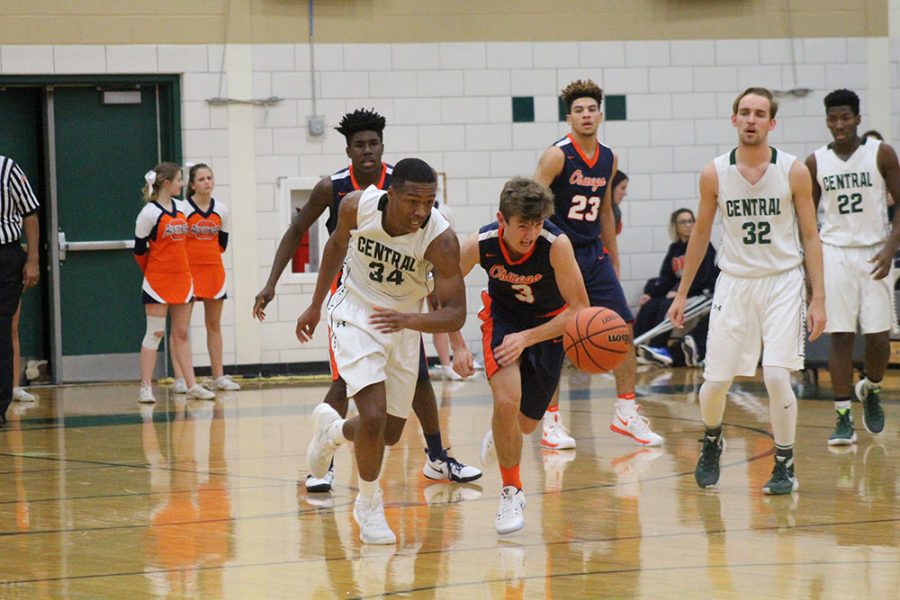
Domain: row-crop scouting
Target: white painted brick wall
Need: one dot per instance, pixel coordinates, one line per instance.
(601, 54)
(693, 52)
(450, 104)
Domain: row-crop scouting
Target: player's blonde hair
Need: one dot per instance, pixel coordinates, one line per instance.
(527, 199)
(757, 91)
(581, 89)
(155, 177)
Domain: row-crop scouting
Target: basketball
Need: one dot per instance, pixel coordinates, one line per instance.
(597, 340)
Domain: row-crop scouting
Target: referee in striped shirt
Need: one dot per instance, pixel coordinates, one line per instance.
(18, 269)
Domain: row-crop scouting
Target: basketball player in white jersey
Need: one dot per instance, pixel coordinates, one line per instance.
(850, 177)
(767, 212)
(387, 242)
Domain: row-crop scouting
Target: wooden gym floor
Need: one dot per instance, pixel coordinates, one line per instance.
(201, 500)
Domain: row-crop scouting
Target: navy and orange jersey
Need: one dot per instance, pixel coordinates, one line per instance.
(159, 249)
(525, 287)
(343, 182)
(579, 189)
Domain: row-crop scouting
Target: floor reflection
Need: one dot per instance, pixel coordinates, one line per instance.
(205, 500)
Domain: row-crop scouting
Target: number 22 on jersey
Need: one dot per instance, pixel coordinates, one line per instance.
(584, 208)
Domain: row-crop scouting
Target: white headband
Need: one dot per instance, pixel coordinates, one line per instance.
(150, 178)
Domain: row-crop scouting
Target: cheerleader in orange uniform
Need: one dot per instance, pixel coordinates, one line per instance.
(159, 249)
(208, 226)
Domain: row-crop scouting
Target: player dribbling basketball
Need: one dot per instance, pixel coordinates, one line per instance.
(534, 288)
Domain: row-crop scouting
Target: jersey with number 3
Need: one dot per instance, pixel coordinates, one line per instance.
(579, 189)
(852, 196)
(385, 270)
(760, 234)
(525, 286)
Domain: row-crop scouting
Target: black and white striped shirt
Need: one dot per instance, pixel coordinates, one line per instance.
(17, 200)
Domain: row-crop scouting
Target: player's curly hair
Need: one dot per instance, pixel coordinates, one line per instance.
(581, 89)
(361, 120)
(843, 97)
(527, 199)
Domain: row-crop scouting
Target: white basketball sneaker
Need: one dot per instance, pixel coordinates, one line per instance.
(636, 427)
(179, 387)
(553, 434)
(321, 447)
(447, 467)
(198, 392)
(145, 396)
(226, 384)
(369, 515)
(21, 395)
(488, 453)
(320, 485)
(511, 512)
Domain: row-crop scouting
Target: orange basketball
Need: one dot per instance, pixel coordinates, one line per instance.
(597, 340)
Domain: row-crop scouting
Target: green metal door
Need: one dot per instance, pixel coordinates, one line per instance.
(102, 152)
(21, 112)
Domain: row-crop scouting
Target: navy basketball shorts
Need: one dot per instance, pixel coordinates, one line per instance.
(540, 365)
(603, 287)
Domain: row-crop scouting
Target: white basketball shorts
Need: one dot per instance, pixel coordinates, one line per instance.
(751, 312)
(365, 356)
(851, 294)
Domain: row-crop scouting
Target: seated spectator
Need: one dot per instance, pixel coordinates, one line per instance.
(659, 292)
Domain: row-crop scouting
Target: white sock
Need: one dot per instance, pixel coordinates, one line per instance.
(626, 407)
(551, 416)
(367, 489)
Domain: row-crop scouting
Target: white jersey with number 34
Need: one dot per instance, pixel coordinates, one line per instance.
(384, 270)
(760, 232)
(855, 212)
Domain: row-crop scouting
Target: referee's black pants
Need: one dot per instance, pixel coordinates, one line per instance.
(12, 260)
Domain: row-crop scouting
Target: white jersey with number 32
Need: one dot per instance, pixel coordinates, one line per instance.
(384, 270)
(853, 196)
(760, 232)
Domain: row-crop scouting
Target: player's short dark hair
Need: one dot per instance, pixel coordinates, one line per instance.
(843, 97)
(581, 89)
(527, 199)
(414, 170)
(361, 120)
(757, 91)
